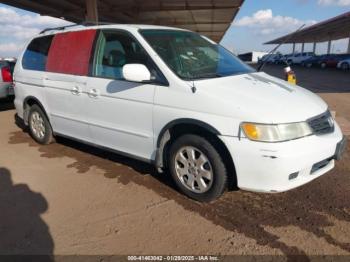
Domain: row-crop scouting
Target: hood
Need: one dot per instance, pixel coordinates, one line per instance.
(259, 97)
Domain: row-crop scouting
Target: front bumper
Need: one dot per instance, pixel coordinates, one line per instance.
(278, 167)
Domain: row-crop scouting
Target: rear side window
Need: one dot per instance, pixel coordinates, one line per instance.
(70, 52)
(35, 57)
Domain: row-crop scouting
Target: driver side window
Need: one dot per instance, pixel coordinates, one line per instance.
(114, 50)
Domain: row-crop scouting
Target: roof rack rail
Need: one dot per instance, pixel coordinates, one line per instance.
(58, 28)
(93, 23)
(85, 23)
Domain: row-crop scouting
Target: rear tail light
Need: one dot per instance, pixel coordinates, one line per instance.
(6, 74)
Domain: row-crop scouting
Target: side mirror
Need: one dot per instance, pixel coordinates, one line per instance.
(136, 73)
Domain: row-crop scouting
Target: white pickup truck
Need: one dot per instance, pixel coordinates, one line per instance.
(298, 58)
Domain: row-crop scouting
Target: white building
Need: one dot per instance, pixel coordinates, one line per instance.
(252, 57)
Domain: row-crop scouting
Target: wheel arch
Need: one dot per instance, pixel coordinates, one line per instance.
(345, 63)
(27, 103)
(179, 127)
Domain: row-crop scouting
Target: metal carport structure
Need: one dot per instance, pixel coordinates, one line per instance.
(327, 31)
(211, 18)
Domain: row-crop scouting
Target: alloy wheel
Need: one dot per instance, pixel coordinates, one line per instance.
(37, 125)
(193, 169)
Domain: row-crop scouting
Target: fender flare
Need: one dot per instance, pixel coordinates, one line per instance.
(25, 112)
(164, 136)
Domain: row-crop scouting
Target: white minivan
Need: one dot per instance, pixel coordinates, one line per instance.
(178, 100)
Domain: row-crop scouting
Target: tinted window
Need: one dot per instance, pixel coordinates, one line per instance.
(35, 57)
(116, 49)
(191, 56)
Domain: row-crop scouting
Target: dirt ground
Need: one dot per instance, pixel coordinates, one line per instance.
(69, 198)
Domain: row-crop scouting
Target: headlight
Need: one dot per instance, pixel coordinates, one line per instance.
(276, 133)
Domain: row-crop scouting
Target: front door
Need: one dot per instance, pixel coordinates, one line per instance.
(120, 112)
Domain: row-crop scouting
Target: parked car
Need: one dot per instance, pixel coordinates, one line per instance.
(6, 83)
(283, 59)
(298, 58)
(270, 58)
(276, 58)
(173, 98)
(313, 61)
(344, 64)
(332, 61)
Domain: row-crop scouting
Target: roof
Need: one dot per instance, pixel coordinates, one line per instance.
(208, 17)
(331, 29)
(78, 27)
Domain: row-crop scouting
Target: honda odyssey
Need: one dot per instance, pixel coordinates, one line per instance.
(178, 100)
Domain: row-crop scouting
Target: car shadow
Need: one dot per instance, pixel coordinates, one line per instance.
(23, 232)
(309, 208)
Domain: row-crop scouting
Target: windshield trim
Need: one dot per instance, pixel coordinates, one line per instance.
(193, 79)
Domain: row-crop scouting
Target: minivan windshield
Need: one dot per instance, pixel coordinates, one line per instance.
(192, 56)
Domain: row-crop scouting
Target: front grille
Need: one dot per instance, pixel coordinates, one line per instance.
(322, 124)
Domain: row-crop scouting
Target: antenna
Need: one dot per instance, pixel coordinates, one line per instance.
(278, 46)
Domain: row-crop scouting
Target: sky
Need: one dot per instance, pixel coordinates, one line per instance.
(257, 22)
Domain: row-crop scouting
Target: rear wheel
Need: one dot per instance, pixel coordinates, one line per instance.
(197, 168)
(39, 126)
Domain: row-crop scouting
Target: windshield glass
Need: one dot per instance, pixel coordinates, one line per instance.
(192, 56)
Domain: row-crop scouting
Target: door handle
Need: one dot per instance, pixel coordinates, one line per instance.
(76, 90)
(93, 93)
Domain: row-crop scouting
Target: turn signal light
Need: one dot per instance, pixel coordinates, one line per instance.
(251, 131)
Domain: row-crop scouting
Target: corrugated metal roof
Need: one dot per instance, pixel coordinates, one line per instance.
(209, 17)
(331, 29)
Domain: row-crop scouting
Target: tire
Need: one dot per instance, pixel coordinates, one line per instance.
(323, 65)
(345, 66)
(186, 171)
(39, 126)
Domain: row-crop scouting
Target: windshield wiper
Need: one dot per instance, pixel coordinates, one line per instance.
(207, 76)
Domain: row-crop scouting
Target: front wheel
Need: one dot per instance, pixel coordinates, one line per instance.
(345, 66)
(39, 126)
(197, 168)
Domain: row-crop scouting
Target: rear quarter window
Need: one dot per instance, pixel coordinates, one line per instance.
(35, 57)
